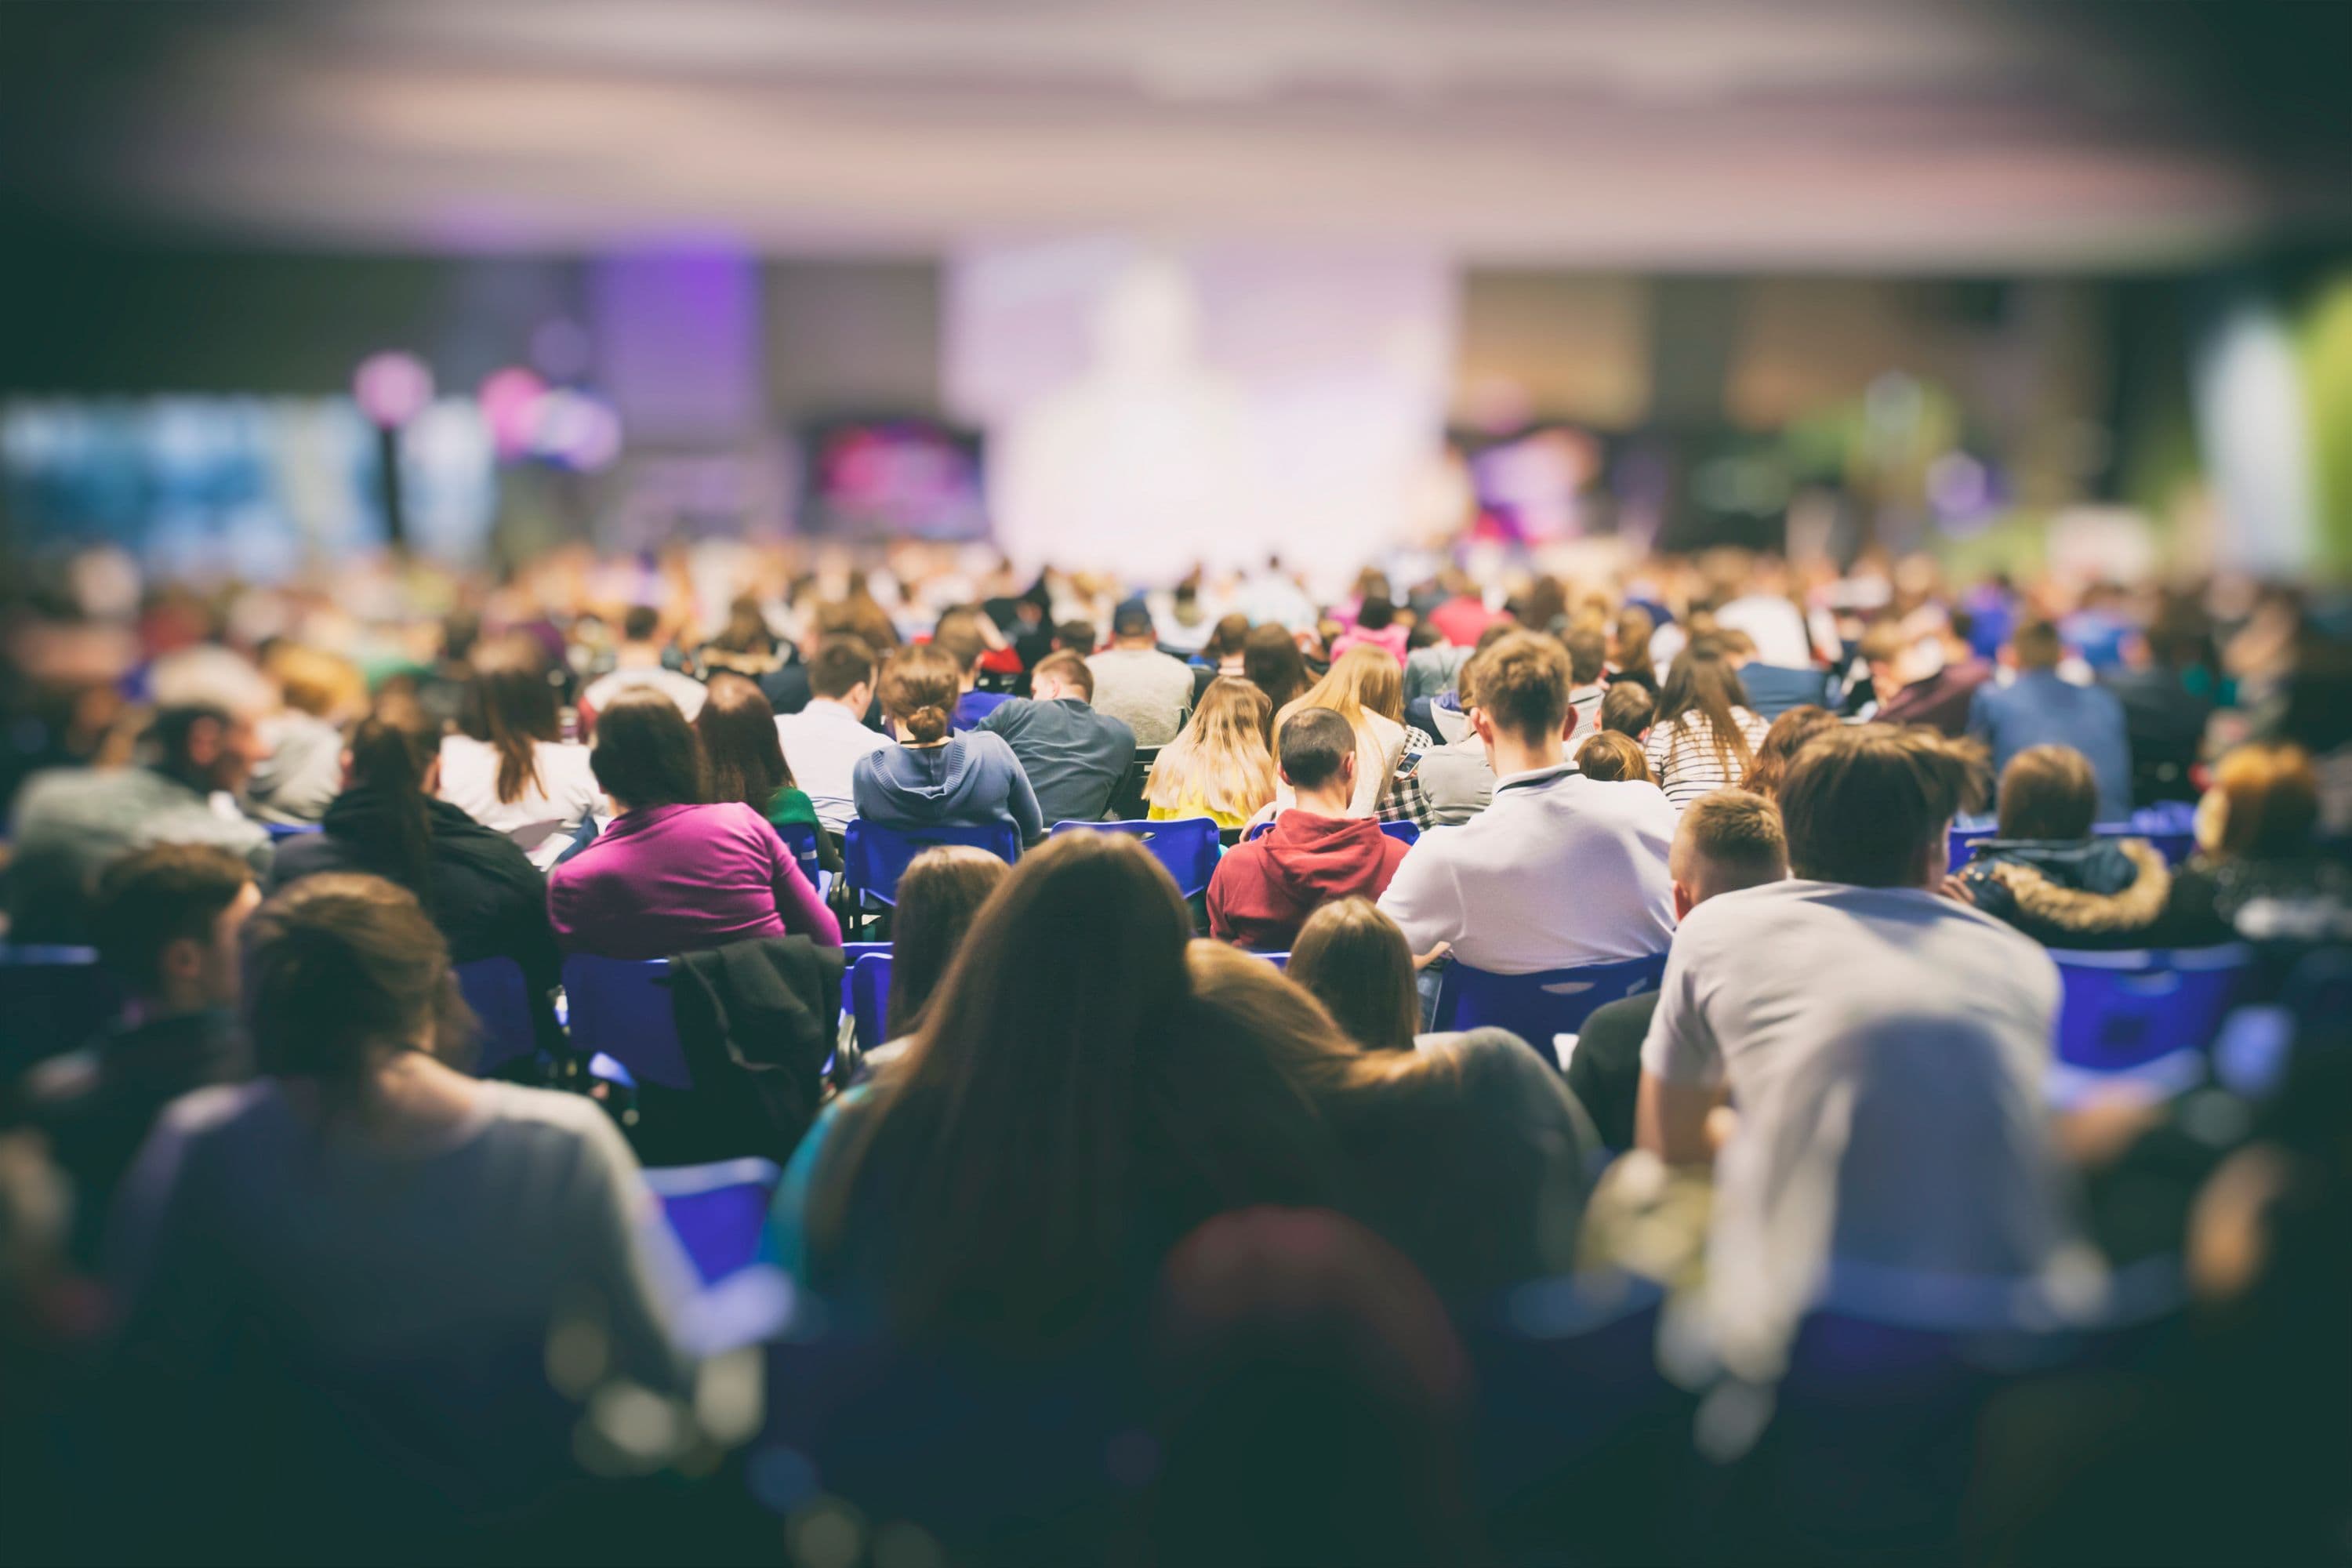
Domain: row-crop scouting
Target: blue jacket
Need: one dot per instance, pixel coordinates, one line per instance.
(2039, 709)
(1774, 689)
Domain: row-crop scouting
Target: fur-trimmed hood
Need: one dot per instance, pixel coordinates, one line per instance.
(2106, 887)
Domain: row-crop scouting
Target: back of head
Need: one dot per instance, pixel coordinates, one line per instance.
(1728, 840)
(391, 750)
(1226, 638)
(1701, 683)
(2048, 792)
(1220, 758)
(1629, 639)
(1521, 682)
(1070, 670)
(1313, 1402)
(1316, 744)
(739, 746)
(1587, 653)
(840, 666)
(1373, 680)
(186, 738)
(646, 753)
(2263, 805)
(510, 703)
(942, 892)
(1612, 758)
(1627, 708)
(640, 623)
(155, 897)
(1356, 962)
(2036, 645)
(957, 635)
(1005, 1144)
(1789, 735)
(1870, 804)
(1468, 1154)
(1272, 662)
(343, 971)
(1131, 623)
(317, 683)
(920, 689)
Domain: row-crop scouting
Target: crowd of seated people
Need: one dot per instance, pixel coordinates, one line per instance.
(1103, 1128)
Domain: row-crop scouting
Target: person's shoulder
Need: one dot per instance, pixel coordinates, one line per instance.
(549, 1114)
(213, 1111)
(1741, 915)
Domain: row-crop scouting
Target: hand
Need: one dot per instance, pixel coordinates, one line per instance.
(1423, 960)
(1957, 890)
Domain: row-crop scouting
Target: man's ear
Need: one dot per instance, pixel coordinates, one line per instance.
(1480, 724)
(1685, 901)
(182, 959)
(1347, 767)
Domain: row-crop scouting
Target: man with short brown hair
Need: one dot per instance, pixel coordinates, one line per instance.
(2043, 708)
(1074, 756)
(1884, 1047)
(1560, 870)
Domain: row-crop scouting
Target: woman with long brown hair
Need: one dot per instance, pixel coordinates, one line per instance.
(1064, 1113)
(1354, 960)
(1218, 766)
(508, 767)
(1706, 734)
(1366, 687)
(1272, 662)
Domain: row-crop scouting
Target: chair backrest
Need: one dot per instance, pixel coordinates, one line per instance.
(870, 999)
(800, 837)
(2126, 1011)
(290, 829)
(1187, 846)
(621, 1007)
(1280, 960)
(1537, 1006)
(1127, 801)
(875, 856)
(1403, 832)
(52, 999)
(501, 998)
(716, 1211)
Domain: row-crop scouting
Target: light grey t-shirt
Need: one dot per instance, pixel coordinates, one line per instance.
(239, 1211)
(1143, 688)
(1884, 1048)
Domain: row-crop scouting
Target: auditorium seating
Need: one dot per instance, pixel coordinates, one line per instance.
(1188, 845)
(499, 996)
(1539, 1005)
(874, 857)
(716, 1211)
(869, 998)
(2148, 1017)
(620, 1007)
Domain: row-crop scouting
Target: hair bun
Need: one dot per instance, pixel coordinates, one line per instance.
(928, 723)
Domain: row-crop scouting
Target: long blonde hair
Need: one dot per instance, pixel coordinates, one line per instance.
(1220, 758)
(1363, 679)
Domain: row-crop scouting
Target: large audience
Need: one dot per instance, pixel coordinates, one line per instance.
(1190, 1198)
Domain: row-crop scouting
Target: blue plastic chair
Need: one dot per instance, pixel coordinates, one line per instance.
(277, 830)
(1280, 960)
(1187, 846)
(500, 997)
(2146, 1015)
(620, 1007)
(1964, 841)
(52, 999)
(800, 837)
(1403, 832)
(870, 999)
(1537, 1006)
(716, 1211)
(874, 857)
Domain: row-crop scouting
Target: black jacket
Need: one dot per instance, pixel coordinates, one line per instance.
(486, 896)
(758, 1021)
(2072, 893)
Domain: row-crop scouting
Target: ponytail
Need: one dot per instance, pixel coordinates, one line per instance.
(920, 687)
(390, 752)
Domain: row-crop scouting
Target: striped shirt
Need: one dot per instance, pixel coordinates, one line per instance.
(1682, 755)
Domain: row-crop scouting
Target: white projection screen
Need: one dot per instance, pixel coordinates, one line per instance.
(1147, 409)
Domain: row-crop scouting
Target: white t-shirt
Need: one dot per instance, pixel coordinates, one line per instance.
(1775, 624)
(1558, 871)
(1884, 1048)
(1143, 687)
(240, 1211)
(823, 743)
(551, 806)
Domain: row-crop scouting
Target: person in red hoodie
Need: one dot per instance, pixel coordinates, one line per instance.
(1316, 854)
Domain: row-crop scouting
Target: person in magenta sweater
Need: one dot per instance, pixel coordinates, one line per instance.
(672, 874)
(1316, 854)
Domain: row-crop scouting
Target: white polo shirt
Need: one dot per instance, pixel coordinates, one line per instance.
(1560, 870)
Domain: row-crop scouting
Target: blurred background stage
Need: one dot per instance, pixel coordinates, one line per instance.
(1141, 285)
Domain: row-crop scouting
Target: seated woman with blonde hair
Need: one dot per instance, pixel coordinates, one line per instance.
(1218, 765)
(1366, 687)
